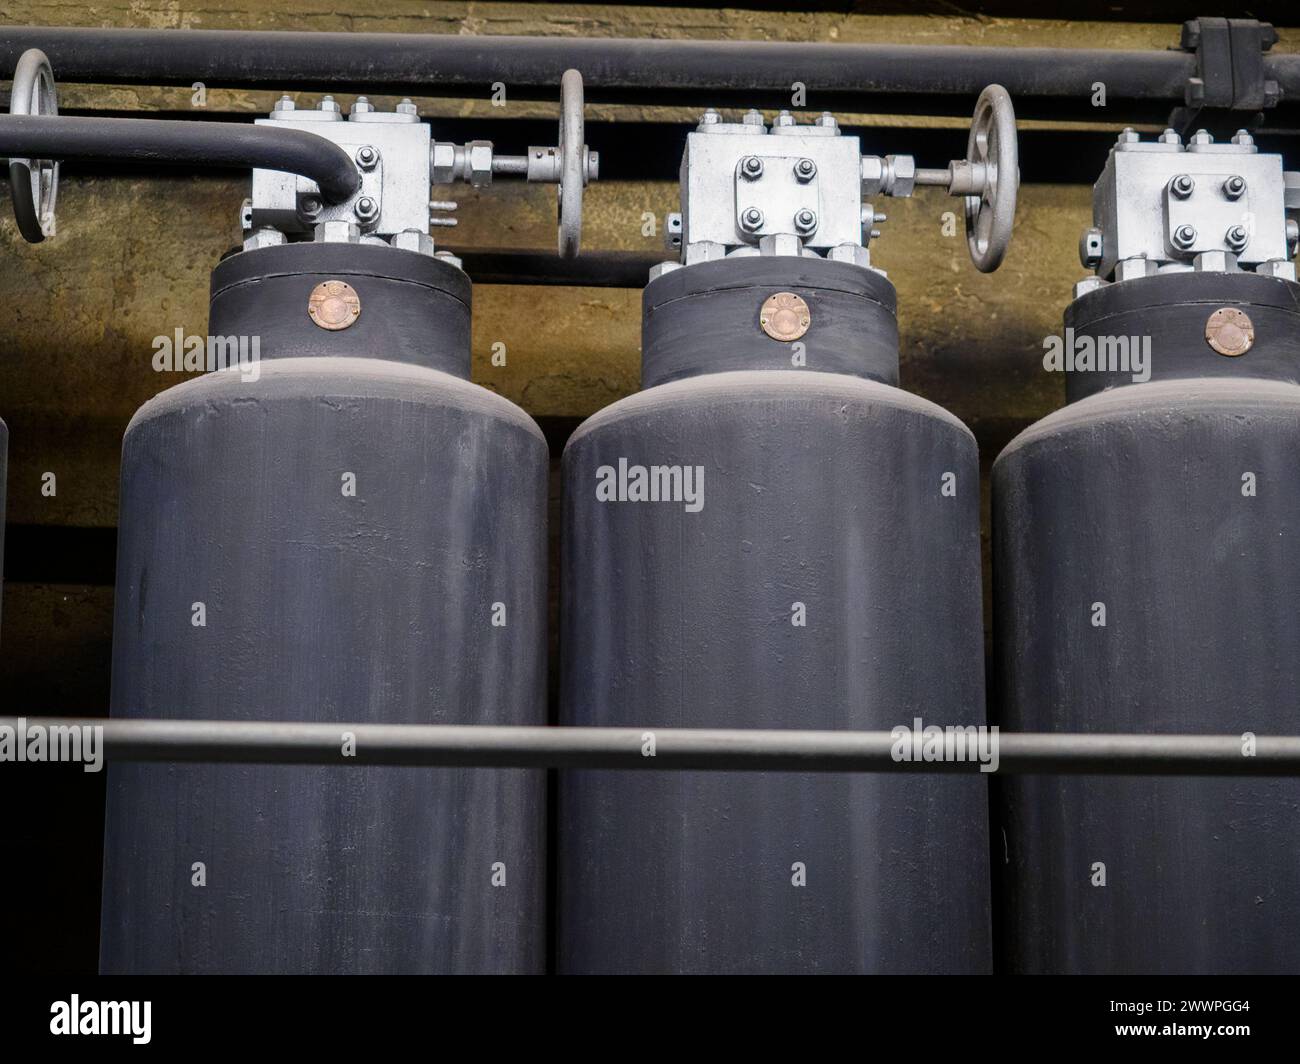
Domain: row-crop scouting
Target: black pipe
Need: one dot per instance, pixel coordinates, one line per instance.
(159, 142)
(435, 64)
(486, 746)
(591, 269)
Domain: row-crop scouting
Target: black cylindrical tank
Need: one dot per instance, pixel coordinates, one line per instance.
(804, 567)
(4, 479)
(358, 535)
(1147, 579)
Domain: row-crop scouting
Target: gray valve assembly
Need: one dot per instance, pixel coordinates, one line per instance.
(807, 189)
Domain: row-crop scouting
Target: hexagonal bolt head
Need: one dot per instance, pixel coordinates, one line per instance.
(751, 220)
(826, 119)
(1243, 137)
(448, 257)
(265, 237)
(328, 103)
(442, 163)
(1091, 247)
(902, 169)
(284, 103)
(751, 167)
(662, 268)
(805, 170)
(1184, 237)
(1237, 237)
(1182, 185)
(367, 156)
(805, 221)
(362, 106)
(753, 118)
(1277, 268)
(1170, 136)
(1129, 135)
(1130, 269)
(478, 162)
(406, 107)
(1201, 136)
(1234, 187)
(709, 118)
(414, 240)
(337, 231)
(785, 118)
(309, 205)
(780, 244)
(854, 253)
(366, 209)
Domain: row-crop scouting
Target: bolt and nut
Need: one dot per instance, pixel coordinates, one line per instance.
(805, 221)
(367, 156)
(367, 209)
(1234, 187)
(805, 169)
(1182, 185)
(751, 219)
(1184, 237)
(1237, 237)
(751, 167)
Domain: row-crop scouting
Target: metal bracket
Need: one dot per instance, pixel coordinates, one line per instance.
(1229, 89)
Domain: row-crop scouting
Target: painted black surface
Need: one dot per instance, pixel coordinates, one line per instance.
(705, 319)
(1133, 498)
(4, 479)
(819, 488)
(1172, 310)
(157, 142)
(320, 606)
(414, 308)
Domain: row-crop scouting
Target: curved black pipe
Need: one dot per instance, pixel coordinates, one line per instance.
(158, 142)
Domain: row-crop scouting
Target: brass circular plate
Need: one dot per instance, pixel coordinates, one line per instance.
(1230, 332)
(784, 316)
(334, 305)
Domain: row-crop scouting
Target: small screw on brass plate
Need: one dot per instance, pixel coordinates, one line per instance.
(784, 316)
(334, 305)
(1230, 332)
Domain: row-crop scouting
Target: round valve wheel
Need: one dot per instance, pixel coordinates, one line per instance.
(991, 149)
(573, 163)
(33, 184)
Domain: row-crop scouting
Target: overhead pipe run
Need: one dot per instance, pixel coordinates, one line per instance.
(486, 746)
(447, 63)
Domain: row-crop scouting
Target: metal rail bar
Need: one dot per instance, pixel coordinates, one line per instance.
(674, 748)
(442, 63)
(162, 142)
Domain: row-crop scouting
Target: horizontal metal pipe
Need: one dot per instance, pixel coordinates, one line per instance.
(591, 269)
(159, 142)
(440, 63)
(673, 748)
